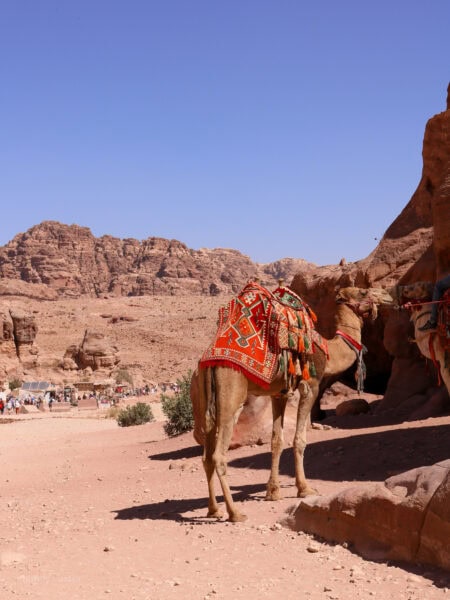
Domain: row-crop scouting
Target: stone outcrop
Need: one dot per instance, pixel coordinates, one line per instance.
(407, 518)
(415, 247)
(9, 361)
(56, 260)
(95, 353)
(24, 332)
(18, 350)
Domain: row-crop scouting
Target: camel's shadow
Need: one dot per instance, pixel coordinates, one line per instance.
(366, 457)
(189, 452)
(370, 456)
(175, 509)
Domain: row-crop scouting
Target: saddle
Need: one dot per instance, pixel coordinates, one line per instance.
(261, 333)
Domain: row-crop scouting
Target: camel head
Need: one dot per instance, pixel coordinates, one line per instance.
(421, 290)
(364, 302)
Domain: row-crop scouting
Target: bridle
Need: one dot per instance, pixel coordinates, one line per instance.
(362, 308)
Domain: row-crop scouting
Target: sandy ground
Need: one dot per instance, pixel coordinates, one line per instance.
(91, 510)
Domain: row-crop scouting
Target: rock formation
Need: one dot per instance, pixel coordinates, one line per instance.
(18, 350)
(408, 252)
(407, 518)
(68, 261)
(95, 353)
(9, 362)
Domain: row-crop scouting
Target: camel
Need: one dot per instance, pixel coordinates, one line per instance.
(223, 392)
(428, 342)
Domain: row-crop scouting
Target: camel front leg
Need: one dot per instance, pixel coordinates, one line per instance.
(308, 393)
(278, 409)
(208, 465)
(224, 435)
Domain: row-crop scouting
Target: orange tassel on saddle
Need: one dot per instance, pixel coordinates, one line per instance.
(291, 367)
(305, 372)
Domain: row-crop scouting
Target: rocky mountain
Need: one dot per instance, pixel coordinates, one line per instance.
(133, 281)
(69, 261)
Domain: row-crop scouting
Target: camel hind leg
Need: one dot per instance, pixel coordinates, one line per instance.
(208, 465)
(277, 443)
(223, 392)
(231, 393)
(308, 394)
(207, 412)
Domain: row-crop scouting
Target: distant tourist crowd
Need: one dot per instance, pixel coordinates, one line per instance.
(12, 404)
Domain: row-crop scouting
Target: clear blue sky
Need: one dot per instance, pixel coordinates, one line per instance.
(278, 128)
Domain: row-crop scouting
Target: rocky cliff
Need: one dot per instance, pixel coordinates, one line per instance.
(69, 261)
(416, 247)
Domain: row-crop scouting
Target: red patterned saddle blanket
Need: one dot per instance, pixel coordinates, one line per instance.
(257, 326)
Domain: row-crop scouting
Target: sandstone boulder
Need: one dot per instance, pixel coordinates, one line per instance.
(356, 406)
(406, 518)
(95, 352)
(10, 366)
(24, 331)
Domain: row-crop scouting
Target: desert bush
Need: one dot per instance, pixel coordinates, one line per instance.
(112, 412)
(178, 408)
(123, 375)
(14, 384)
(138, 414)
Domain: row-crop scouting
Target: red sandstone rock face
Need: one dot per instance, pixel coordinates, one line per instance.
(408, 252)
(406, 518)
(68, 261)
(24, 332)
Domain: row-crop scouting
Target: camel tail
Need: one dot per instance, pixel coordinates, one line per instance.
(207, 397)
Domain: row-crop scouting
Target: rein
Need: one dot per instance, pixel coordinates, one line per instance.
(350, 341)
(422, 314)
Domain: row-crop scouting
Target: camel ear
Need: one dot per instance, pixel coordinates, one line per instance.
(374, 311)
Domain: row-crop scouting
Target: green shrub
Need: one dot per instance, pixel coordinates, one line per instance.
(112, 412)
(124, 376)
(14, 384)
(138, 414)
(178, 408)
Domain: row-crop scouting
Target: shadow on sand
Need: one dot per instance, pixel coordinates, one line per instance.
(364, 457)
(189, 452)
(174, 509)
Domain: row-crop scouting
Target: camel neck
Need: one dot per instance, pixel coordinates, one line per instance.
(341, 355)
(348, 322)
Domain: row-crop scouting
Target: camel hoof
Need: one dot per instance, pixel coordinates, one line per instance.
(273, 495)
(307, 492)
(238, 518)
(214, 514)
